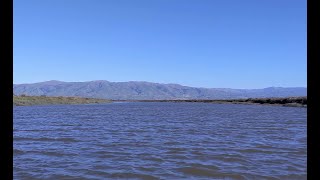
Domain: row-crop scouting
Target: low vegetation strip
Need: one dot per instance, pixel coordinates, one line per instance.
(46, 100)
(287, 101)
(24, 100)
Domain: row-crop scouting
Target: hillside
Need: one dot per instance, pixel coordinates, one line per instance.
(137, 90)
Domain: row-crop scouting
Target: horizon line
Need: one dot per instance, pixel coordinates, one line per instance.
(154, 83)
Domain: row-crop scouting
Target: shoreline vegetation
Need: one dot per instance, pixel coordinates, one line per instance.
(287, 101)
(25, 100)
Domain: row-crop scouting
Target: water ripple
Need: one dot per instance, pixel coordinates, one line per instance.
(159, 141)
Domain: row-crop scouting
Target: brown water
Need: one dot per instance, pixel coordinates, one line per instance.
(160, 141)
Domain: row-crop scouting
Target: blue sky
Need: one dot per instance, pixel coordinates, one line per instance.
(201, 43)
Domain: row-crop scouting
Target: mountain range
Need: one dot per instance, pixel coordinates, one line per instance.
(140, 90)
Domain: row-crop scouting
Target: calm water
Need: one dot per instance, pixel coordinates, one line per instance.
(160, 141)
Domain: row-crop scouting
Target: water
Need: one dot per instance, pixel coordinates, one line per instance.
(160, 141)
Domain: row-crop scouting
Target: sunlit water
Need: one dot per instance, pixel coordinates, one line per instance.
(160, 141)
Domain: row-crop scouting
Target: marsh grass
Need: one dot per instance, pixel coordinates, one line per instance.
(46, 100)
(286, 101)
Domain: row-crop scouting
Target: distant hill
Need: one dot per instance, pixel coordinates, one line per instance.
(138, 90)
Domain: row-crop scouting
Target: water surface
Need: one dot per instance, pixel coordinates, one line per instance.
(160, 141)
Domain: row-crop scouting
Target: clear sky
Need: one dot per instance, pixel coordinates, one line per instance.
(201, 43)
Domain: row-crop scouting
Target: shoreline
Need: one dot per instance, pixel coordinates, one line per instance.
(287, 101)
(54, 100)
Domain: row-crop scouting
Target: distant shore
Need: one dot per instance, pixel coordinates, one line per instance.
(287, 101)
(48, 100)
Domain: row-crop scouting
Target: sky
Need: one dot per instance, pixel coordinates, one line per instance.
(200, 43)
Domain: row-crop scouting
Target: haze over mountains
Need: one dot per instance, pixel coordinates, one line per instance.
(138, 90)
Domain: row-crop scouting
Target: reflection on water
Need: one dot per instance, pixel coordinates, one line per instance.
(159, 141)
